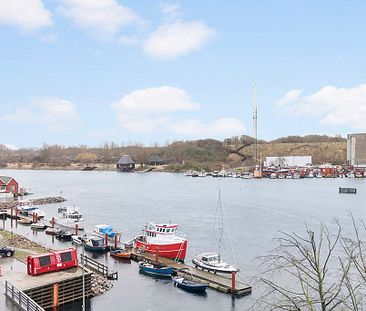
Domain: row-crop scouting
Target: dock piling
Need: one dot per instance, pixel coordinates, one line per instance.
(106, 239)
(115, 241)
(55, 296)
(233, 281)
(76, 229)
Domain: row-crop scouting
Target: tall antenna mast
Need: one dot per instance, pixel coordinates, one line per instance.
(255, 123)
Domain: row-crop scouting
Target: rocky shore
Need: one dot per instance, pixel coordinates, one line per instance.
(100, 284)
(40, 201)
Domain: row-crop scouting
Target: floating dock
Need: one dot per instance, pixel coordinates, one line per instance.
(218, 282)
(348, 190)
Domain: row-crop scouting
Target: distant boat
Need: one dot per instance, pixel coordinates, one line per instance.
(273, 176)
(38, 226)
(154, 270)
(296, 175)
(64, 235)
(24, 221)
(70, 218)
(247, 175)
(52, 231)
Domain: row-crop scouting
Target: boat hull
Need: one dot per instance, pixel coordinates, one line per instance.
(215, 269)
(157, 272)
(98, 249)
(190, 286)
(176, 251)
(120, 255)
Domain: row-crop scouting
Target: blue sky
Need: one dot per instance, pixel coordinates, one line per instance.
(90, 71)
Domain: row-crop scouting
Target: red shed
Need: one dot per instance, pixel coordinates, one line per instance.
(53, 261)
(8, 185)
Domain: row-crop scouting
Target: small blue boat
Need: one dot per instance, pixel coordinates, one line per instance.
(153, 270)
(190, 286)
(96, 245)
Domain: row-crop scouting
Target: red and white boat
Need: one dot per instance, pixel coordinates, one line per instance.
(161, 239)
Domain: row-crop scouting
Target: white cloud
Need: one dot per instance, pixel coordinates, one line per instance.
(10, 146)
(55, 113)
(103, 17)
(177, 38)
(155, 109)
(171, 10)
(28, 15)
(156, 99)
(333, 106)
(290, 97)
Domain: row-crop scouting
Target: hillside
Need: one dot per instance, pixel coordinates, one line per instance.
(207, 154)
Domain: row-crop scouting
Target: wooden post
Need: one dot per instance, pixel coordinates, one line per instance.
(115, 241)
(11, 216)
(76, 229)
(233, 283)
(16, 215)
(55, 296)
(35, 217)
(4, 218)
(53, 222)
(106, 239)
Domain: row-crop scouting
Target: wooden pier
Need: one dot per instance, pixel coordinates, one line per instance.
(218, 282)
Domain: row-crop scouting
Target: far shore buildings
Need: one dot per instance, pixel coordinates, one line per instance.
(126, 164)
(155, 159)
(289, 161)
(356, 149)
(8, 186)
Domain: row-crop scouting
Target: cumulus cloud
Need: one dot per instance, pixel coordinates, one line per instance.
(156, 99)
(290, 97)
(103, 17)
(28, 15)
(55, 113)
(157, 109)
(177, 38)
(333, 106)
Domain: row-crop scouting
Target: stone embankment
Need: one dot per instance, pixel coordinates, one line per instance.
(100, 284)
(40, 201)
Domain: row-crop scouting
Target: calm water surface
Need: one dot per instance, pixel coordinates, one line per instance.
(256, 210)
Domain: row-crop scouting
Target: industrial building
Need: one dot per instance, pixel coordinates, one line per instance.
(290, 161)
(356, 149)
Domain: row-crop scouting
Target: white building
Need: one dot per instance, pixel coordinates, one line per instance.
(289, 161)
(356, 149)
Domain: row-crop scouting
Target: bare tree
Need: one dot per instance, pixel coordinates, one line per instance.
(310, 272)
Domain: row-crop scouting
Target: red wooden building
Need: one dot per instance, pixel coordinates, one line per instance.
(8, 186)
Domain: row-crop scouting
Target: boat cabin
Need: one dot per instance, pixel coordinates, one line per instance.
(211, 258)
(153, 230)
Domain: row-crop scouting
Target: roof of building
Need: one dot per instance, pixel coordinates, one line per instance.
(155, 158)
(5, 179)
(125, 160)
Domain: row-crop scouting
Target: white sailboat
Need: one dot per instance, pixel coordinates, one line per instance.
(212, 262)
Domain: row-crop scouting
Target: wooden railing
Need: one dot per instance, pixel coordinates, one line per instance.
(21, 299)
(98, 267)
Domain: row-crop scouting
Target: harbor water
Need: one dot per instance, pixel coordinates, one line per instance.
(256, 210)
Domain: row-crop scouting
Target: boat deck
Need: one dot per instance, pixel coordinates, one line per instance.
(222, 283)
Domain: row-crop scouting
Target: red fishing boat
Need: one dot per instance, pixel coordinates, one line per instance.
(161, 239)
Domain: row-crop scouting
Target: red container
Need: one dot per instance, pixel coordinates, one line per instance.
(53, 261)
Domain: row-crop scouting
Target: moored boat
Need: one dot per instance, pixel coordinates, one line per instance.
(161, 239)
(212, 262)
(24, 221)
(190, 286)
(64, 235)
(70, 218)
(38, 226)
(154, 270)
(103, 230)
(121, 254)
(52, 231)
(96, 244)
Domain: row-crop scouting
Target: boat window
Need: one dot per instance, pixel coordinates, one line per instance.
(163, 230)
(167, 230)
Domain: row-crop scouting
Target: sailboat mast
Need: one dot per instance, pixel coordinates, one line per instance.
(255, 123)
(220, 224)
